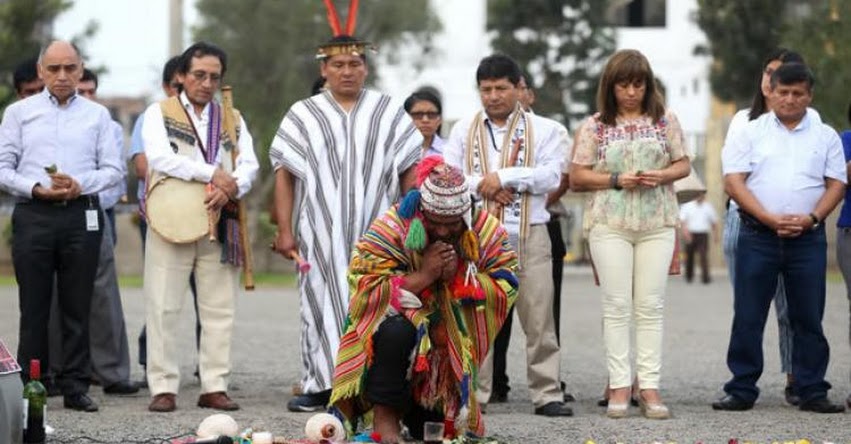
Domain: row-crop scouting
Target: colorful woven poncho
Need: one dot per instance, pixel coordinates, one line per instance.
(455, 326)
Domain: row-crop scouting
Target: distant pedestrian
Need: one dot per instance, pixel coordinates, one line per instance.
(699, 220)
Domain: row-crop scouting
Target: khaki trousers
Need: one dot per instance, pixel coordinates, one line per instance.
(167, 269)
(633, 271)
(534, 308)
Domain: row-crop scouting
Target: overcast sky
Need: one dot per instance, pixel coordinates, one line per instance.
(132, 42)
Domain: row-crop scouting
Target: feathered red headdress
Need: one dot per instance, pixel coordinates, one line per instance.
(356, 47)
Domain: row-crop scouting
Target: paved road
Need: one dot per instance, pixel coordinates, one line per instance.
(697, 331)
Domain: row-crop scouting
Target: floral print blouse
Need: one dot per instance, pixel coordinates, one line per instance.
(630, 146)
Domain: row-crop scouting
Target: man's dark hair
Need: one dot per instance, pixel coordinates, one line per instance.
(26, 71)
(528, 79)
(342, 38)
(170, 69)
(783, 55)
(318, 86)
(89, 75)
(792, 73)
(202, 49)
(498, 66)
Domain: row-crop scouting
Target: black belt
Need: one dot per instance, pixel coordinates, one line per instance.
(91, 200)
(754, 223)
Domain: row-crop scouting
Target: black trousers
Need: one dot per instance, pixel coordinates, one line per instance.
(386, 384)
(51, 241)
(699, 245)
(500, 344)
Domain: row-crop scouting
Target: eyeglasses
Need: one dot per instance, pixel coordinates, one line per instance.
(420, 115)
(202, 76)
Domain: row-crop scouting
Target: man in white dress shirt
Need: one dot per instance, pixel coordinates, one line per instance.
(699, 220)
(512, 159)
(184, 139)
(56, 154)
(786, 172)
(108, 346)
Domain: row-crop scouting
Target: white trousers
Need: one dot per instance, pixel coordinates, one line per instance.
(167, 269)
(633, 271)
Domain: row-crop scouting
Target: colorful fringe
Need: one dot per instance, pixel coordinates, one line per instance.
(455, 326)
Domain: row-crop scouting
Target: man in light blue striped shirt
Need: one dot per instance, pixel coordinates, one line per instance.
(56, 154)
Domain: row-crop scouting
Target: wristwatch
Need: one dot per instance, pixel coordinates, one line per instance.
(815, 220)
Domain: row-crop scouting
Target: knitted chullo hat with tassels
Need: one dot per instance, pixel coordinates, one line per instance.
(441, 190)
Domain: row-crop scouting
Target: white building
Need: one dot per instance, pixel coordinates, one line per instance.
(450, 69)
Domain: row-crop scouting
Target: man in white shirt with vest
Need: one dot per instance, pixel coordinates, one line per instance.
(184, 138)
(786, 172)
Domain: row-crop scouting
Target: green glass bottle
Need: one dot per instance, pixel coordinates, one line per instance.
(35, 405)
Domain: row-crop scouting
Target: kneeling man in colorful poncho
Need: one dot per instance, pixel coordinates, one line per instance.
(431, 283)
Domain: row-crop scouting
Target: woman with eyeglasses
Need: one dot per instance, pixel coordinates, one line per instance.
(425, 109)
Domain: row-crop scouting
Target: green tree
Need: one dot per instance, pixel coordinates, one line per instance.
(739, 35)
(563, 44)
(24, 28)
(822, 38)
(271, 47)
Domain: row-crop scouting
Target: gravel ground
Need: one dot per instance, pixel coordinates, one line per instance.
(267, 364)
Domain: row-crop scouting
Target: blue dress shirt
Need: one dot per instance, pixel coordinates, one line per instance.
(78, 138)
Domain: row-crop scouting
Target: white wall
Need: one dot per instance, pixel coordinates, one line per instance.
(451, 68)
(463, 42)
(670, 52)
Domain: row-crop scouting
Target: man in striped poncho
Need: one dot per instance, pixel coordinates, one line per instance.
(432, 282)
(340, 160)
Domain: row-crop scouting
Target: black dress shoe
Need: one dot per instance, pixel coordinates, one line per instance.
(732, 403)
(791, 397)
(499, 398)
(821, 405)
(122, 388)
(555, 408)
(80, 402)
(311, 402)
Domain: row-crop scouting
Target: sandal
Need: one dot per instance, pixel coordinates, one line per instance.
(653, 410)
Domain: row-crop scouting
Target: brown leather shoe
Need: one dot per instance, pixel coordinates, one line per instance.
(164, 403)
(217, 400)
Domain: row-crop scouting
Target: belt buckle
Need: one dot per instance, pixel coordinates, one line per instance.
(60, 203)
